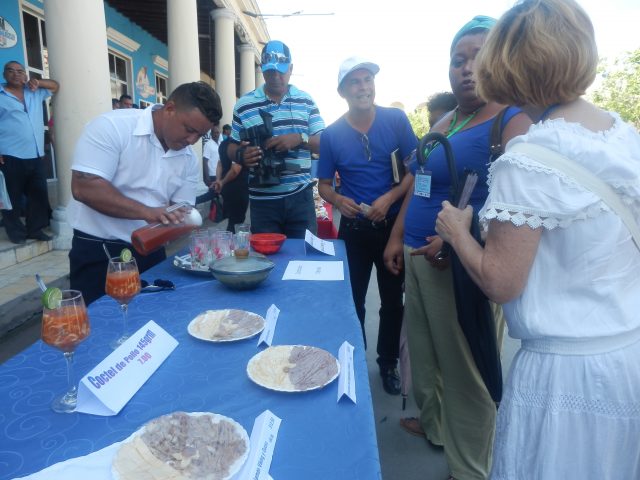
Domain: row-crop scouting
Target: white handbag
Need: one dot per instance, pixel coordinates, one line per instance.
(588, 180)
(5, 201)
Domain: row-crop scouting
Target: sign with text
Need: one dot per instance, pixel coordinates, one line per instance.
(317, 244)
(347, 380)
(270, 325)
(8, 36)
(262, 443)
(303, 270)
(107, 388)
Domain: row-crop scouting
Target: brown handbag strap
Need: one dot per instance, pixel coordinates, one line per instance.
(495, 139)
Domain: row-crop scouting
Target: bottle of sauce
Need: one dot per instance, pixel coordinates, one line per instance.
(151, 237)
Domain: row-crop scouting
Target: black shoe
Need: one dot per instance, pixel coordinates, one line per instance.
(17, 239)
(40, 235)
(390, 380)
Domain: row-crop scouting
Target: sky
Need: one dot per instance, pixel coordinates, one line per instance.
(408, 39)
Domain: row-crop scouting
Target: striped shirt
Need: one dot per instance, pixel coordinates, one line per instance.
(296, 113)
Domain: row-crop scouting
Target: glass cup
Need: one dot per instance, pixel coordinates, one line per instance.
(221, 244)
(200, 248)
(242, 227)
(241, 244)
(122, 284)
(64, 328)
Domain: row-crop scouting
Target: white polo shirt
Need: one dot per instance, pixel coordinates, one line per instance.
(211, 154)
(121, 147)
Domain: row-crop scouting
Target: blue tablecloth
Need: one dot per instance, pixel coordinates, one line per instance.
(318, 438)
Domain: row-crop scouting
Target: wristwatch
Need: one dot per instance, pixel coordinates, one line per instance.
(304, 139)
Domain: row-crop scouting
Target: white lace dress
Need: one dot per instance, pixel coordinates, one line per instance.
(571, 407)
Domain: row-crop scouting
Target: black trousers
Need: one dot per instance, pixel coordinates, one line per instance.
(365, 244)
(25, 177)
(88, 263)
(235, 198)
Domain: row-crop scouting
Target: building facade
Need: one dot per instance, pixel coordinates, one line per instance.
(100, 49)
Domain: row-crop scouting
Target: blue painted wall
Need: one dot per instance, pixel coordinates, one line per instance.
(10, 11)
(143, 57)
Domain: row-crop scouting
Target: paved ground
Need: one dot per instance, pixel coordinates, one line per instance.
(402, 456)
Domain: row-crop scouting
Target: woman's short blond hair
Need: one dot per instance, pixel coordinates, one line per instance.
(541, 52)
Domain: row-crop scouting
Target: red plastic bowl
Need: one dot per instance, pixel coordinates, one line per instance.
(267, 243)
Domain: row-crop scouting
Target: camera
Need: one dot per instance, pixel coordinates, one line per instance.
(267, 172)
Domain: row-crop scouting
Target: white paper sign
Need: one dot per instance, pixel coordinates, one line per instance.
(347, 379)
(270, 325)
(262, 443)
(109, 386)
(318, 244)
(302, 270)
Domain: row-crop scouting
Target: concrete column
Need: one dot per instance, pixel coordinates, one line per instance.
(247, 68)
(85, 90)
(184, 51)
(225, 68)
(259, 76)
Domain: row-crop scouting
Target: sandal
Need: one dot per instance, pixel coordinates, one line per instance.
(412, 425)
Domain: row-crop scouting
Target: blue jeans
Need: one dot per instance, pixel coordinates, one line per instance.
(291, 215)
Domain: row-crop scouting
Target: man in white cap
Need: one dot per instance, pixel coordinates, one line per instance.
(280, 186)
(359, 146)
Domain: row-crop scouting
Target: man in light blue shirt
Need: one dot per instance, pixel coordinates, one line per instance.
(22, 149)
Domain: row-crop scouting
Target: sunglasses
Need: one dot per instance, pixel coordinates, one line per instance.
(365, 144)
(158, 285)
(274, 57)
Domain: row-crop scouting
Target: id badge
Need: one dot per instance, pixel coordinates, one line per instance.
(422, 184)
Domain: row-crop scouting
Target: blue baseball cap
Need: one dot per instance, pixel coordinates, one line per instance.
(275, 56)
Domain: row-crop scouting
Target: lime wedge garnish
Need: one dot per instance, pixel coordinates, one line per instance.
(125, 255)
(52, 298)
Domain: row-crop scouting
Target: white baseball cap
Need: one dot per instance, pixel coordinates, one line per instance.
(355, 63)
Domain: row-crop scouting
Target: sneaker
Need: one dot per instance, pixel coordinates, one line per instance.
(390, 380)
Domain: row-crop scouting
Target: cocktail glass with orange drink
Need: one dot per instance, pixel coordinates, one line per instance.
(65, 324)
(123, 283)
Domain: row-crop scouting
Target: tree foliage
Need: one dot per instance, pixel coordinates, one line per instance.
(619, 90)
(419, 120)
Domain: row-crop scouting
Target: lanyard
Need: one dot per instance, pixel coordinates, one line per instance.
(451, 132)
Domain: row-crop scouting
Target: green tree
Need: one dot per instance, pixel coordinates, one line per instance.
(419, 120)
(620, 87)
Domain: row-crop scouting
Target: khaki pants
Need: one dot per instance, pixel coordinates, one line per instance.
(456, 410)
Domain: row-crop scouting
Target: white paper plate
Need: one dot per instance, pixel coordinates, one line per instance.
(184, 263)
(293, 368)
(226, 325)
(220, 437)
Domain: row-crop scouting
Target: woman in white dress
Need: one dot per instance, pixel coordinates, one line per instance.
(559, 259)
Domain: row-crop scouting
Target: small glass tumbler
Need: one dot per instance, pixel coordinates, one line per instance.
(221, 244)
(242, 227)
(241, 245)
(200, 247)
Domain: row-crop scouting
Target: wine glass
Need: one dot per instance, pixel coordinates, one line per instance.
(64, 328)
(123, 283)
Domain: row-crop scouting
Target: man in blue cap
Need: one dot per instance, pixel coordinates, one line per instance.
(280, 186)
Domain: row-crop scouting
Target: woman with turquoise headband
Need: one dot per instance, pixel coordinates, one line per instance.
(456, 409)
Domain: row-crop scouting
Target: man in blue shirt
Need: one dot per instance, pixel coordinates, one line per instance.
(22, 149)
(359, 146)
(281, 195)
